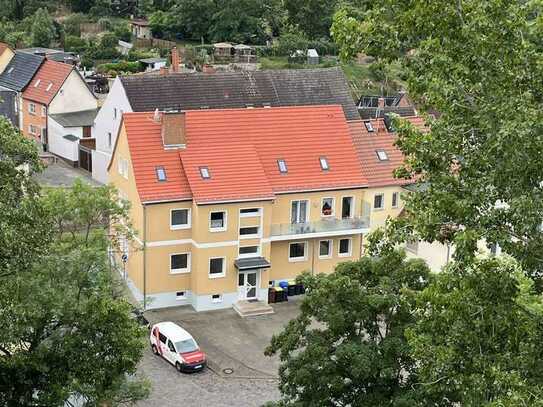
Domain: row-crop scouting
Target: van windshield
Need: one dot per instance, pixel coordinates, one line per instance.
(188, 345)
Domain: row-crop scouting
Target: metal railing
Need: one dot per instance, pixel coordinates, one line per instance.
(322, 226)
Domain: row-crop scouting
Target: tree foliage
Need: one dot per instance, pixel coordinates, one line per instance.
(478, 163)
(43, 30)
(348, 346)
(64, 329)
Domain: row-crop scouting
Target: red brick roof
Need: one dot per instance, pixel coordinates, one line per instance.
(240, 148)
(47, 81)
(378, 172)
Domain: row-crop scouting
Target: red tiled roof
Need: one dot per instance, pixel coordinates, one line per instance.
(377, 172)
(47, 81)
(240, 147)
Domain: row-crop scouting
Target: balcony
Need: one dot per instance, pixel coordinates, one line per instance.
(322, 228)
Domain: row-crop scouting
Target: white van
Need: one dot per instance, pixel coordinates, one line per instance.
(177, 346)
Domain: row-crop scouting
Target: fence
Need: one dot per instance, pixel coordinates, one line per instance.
(153, 43)
(91, 28)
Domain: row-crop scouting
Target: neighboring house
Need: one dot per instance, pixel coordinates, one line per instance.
(6, 54)
(8, 105)
(374, 107)
(227, 202)
(185, 91)
(70, 137)
(153, 64)
(58, 55)
(56, 88)
(17, 75)
(141, 29)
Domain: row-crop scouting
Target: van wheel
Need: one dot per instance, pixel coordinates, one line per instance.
(154, 349)
(178, 367)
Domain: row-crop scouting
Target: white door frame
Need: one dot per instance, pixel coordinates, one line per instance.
(243, 289)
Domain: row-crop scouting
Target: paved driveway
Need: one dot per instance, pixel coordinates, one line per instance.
(239, 374)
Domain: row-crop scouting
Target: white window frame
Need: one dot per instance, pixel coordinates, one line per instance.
(216, 300)
(184, 270)
(225, 221)
(308, 208)
(253, 236)
(397, 195)
(216, 275)
(297, 259)
(353, 206)
(350, 253)
(178, 227)
(382, 155)
(31, 128)
(246, 255)
(382, 202)
(333, 207)
(32, 108)
(325, 166)
(252, 214)
(122, 167)
(180, 297)
(43, 111)
(330, 249)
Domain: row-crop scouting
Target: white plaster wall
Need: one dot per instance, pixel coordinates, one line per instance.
(105, 123)
(73, 96)
(58, 145)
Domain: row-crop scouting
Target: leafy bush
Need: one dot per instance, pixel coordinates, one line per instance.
(115, 68)
(137, 54)
(75, 44)
(123, 32)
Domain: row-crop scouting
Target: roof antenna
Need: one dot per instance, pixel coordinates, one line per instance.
(156, 117)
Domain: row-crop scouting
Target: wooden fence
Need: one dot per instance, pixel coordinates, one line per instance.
(153, 43)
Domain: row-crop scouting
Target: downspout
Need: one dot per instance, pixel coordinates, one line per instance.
(313, 257)
(144, 257)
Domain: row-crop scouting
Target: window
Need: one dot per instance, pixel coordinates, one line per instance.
(179, 219)
(217, 221)
(379, 201)
(324, 163)
(123, 167)
(161, 174)
(31, 108)
(296, 251)
(327, 207)
(215, 298)
(180, 295)
(325, 249)
(248, 250)
(395, 199)
(382, 155)
(49, 87)
(109, 140)
(216, 267)
(344, 247)
(282, 166)
(248, 212)
(204, 172)
(249, 231)
(171, 347)
(37, 83)
(162, 338)
(412, 246)
(114, 112)
(43, 111)
(33, 129)
(299, 213)
(180, 263)
(369, 126)
(347, 207)
(10, 70)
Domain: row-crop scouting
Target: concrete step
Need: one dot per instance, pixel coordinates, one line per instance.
(252, 308)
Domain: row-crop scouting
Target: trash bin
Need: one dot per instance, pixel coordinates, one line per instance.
(280, 294)
(271, 295)
(299, 289)
(291, 287)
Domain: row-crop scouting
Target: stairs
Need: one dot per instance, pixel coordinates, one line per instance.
(252, 308)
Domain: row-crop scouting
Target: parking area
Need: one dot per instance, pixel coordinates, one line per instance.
(59, 174)
(238, 375)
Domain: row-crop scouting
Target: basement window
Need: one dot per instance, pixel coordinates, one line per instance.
(382, 155)
(324, 163)
(180, 295)
(216, 298)
(161, 173)
(204, 172)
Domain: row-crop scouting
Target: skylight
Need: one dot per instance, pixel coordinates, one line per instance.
(161, 173)
(369, 126)
(282, 166)
(324, 163)
(37, 83)
(49, 86)
(204, 172)
(382, 155)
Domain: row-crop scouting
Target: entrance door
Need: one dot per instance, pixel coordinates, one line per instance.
(248, 285)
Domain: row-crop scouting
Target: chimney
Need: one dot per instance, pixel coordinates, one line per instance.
(208, 69)
(156, 116)
(381, 102)
(163, 70)
(176, 61)
(173, 130)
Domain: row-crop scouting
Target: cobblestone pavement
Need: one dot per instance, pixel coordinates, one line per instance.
(171, 388)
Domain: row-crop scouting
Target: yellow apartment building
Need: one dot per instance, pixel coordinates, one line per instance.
(225, 203)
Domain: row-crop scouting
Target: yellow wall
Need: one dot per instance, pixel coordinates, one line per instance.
(379, 216)
(5, 58)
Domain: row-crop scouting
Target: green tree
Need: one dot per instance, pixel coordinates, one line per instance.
(477, 340)
(192, 18)
(239, 21)
(43, 29)
(478, 162)
(63, 327)
(348, 345)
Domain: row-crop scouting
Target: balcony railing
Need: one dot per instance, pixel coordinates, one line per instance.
(323, 226)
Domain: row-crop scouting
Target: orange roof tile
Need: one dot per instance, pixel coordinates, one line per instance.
(240, 147)
(47, 81)
(379, 172)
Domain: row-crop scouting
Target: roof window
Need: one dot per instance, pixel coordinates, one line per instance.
(161, 173)
(49, 86)
(324, 163)
(37, 83)
(282, 166)
(382, 155)
(369, 126)
(10, 70)
(204, 172)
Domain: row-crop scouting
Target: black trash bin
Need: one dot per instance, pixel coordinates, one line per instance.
(271, 295)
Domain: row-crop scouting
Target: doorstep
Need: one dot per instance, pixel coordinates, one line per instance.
(247, 308)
